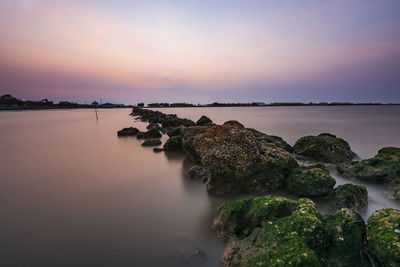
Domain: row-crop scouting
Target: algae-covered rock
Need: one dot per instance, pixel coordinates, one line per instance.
(325, 148)
(383, 236)
(204, 121)
(280, 232)
(128, 131)
(152, 133)
(345, 239)
(237, 162)
(276, 140)
(275, 231)
(312, 182)
(174, 131)
(173, 143)
(152, 142)
(351, 196)
(383, 168)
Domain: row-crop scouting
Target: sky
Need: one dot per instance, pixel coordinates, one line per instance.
(127, 51)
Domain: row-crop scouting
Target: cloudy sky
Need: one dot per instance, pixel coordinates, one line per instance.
(201, 51)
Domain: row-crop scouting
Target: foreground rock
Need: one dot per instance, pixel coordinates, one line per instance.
(383, 235)
(384, 168)
(351, 196)
(152, 133)
(236, 160)
(152, 142)
(275, 231)
(313, 182)
(325, 148)
(128, 131)
(204, 121)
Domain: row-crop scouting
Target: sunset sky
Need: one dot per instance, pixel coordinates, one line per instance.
(201, 51)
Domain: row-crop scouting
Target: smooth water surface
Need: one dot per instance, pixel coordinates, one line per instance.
(74, 194)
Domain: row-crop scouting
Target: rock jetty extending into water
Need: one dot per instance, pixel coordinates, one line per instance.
(275, 231)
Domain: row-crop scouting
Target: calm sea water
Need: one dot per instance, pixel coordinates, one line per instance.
(74, 194)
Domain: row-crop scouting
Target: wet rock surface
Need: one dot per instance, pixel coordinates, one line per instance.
(384, 168)
(351, 196)
(131, 131)
(324, 148)
(152, 142)
(204, 121)
(198, 173)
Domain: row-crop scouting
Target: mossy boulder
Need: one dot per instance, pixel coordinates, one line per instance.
(173, 143)
(384, 168)
(237, 162)
(174, 131)
(128, 131)
(313, 182)
(275, 231)
(204, 121)
(276, 140)
(345, 239)
(383, 235)
(351, 196)
(325, 148)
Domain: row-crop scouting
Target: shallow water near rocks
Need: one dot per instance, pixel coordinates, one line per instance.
(74, 194)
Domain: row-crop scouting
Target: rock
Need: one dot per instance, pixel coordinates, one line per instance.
(158, 149)
(128, 131)
(151, 142)
(237, 162)
(204, 121)
(313, 182)
(152, 133)
(275, 231)
(188, 134)
(383, 239)
(278, 141)
(199, 173)
(153, 125)
(325, 148)
(397, 193)
(345, 238)
(384, 168)
(173, 143)
(351, 196)
(174, 131)
(176, 122)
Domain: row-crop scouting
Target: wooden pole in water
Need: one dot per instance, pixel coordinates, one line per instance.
(97, 118)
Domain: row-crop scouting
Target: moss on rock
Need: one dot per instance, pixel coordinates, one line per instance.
(351, 196)
(325, 148)
(312, 182)
(173, 143)
(383, 168)
(383, 236)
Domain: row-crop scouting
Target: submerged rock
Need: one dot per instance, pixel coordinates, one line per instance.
(383, 236)
(152, 142)
(152, 133)
(236, 160)
(204, 121)
(198, 173)
(351, 196)
(325, 148)
(276, 140)
(383, 168)
(128, 131)
(275, 231)
(313, 182)
(158, 149)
